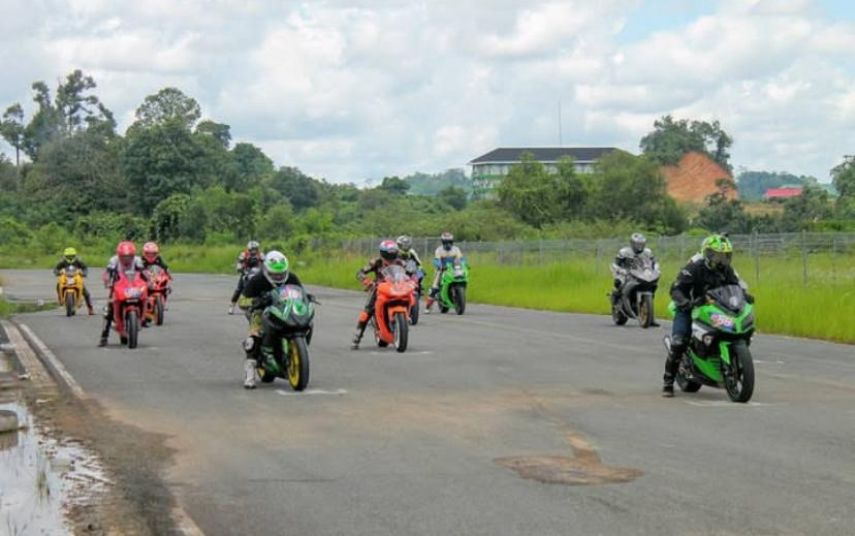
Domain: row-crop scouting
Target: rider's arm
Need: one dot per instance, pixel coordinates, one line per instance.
(415, 257)
(82, 266)
(59, 267)
(681, 290)
(368, 269)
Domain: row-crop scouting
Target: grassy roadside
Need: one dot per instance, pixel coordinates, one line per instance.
(823, 308)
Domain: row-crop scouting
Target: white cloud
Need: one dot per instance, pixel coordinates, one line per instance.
(355, 89)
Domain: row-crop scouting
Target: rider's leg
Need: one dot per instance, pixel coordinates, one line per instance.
(434, 290)
(252, 347)
(364, 316)
(88, 298)
(680, 332)
(236, 295)
(108, 319)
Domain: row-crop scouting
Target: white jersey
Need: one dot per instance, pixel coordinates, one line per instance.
(441, 254)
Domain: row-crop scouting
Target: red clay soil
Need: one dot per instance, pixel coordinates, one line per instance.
(695, 177)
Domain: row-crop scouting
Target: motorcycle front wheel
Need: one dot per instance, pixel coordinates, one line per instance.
(739, 383)
(158, 310)
(617, 315)
(400, 329)
(645, 311)
(69, 304)
(459, 299)
(132, 326)
(298, 363)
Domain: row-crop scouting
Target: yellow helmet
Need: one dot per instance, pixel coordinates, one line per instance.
(69, 254)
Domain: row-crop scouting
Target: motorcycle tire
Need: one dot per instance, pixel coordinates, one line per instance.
(158, 311)
(460, 299)
(740, 386)
(69, 304)
(132, 325)
(686, 385)
(266, 377)
(414, 313)
(617, 316)
(645, 312)
(401, 332)
(298, 364)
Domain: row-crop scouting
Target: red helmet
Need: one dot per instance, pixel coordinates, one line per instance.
(150, 251)
(126, 248)
(126, 251)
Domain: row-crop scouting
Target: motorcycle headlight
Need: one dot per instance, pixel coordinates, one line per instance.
(708, 340)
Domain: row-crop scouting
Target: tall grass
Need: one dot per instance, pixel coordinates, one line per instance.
(823, 307)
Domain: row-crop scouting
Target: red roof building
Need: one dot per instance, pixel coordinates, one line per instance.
(785, 192)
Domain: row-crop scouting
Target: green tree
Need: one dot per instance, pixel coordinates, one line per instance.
(671, 140)
(453, 196)
(573, 190)
(12, 129)
(394, 185)
(722, 214)
(160, 161)
(812, 206)
(531, 193)
(168, 105)
(252, 167)
(843, 177)
(627, 187)
(218, 131)
(277, 223)
(302, 191)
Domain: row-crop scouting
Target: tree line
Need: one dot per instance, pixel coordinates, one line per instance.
(175, 176)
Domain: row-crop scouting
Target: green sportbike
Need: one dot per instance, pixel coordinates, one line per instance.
(289, 319)
(452, 287)
(718, 352)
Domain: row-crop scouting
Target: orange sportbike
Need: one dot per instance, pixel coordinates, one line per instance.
(395, 296)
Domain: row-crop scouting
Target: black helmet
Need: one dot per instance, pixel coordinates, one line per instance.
(389, 250)
(637, 242)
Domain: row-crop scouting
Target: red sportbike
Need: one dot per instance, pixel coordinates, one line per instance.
(395, 297)
(130, 293)
(158, 290)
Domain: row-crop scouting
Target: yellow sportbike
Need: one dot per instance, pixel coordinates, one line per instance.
(70, 289)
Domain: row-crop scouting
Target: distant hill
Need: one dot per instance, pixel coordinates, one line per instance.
(753, 184)
(432, 184)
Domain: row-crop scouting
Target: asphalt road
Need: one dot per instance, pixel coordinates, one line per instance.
(420, 443)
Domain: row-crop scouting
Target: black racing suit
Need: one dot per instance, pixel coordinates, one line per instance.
(80, 265)
(690, 287)
(257, 289)
(246, 262)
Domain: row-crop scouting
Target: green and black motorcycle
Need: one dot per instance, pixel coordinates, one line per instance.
(452, 287)
(289, 318)
(718, 353)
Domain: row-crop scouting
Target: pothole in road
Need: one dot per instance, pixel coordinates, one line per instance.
(584, 468)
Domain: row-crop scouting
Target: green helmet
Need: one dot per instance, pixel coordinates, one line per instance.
(276, 267)
(717, 251)
(69, 253)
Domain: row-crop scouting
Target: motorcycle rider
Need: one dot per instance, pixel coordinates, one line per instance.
(624, 261)
(255, 297)
(444, 255)
(248, 259)
(709, 269)
(151, 256)
(389, 255)
(124, 260)
(70, 258)
(406, 251)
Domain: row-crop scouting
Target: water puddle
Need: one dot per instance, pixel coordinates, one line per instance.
(42, 479)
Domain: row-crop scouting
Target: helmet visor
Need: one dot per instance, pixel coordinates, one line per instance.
(720, 259)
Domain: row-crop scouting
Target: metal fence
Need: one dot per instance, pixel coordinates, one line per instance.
(837, 251)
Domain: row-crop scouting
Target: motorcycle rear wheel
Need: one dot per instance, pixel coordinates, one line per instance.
(414, 313)
(740, 384)
(686, 385)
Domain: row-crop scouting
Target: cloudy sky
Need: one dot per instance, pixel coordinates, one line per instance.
(358, 89)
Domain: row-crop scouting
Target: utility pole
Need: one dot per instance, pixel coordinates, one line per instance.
(560, 131)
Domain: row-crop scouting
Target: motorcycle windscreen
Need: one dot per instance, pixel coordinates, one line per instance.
(729, 297)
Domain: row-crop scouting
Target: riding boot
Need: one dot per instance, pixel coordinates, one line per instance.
(671, 364)
(249, 373)
(357, 335)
